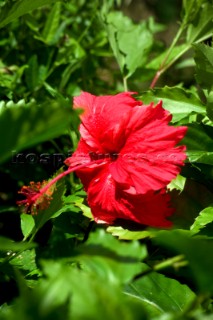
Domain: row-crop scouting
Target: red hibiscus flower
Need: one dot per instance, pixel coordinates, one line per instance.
(130, 155)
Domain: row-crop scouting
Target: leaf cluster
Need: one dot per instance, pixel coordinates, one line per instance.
(59, 264)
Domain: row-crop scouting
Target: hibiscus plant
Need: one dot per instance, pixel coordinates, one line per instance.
(106, 162)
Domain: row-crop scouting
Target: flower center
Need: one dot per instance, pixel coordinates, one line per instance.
(97, 156)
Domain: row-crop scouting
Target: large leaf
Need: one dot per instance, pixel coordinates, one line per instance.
(23, 127)
(159, 294)
(130, 43)
(111, 259)
(179, 102)
(70, 293)
(197, 251)
(10, 245)
(204, 65)
(199, 143)
(15, 9)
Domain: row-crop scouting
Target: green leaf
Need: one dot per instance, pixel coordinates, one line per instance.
(202, 26)
(55, 204)
(176, 52)
(111, 259)
(130, 43)
(15, 9)
(27, 224)
(32, 75)
(205, 217)
(191, 9)
(23, 127)
(199, 143)
(125, 234)
(181, 103)
(196, 251)
(178, 183)
(159, 294)
(10, 245)
(52, 25)
(84, 296)
(204, 65)
(25, 261)
(210, 106)
(77, 202)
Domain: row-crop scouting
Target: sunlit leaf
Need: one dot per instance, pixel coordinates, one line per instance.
(10, 245)
(111, 259)
(181, 103)
(205, 217)
(27, 224)
(159, 294)
(14, 9)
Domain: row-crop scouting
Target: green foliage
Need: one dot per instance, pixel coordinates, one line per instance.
(58, 263)
(30, 125)
(204, 66)
(160, 295)
(200, 263)
(181, 103)
(130, 43)
(14, 9)
(205, 217)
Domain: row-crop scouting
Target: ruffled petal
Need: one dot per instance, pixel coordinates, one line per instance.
(104, 120)
(109, 202)
(149, 159)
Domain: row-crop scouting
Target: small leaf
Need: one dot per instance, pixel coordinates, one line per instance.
(27, 224)
(52, 25)
(201, 27)
(210, 105)
(205, 217)
(125, 234)
(178, 183)
(55, 204)
(32, 77)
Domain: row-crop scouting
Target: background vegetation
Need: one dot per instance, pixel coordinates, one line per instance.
(59, 264)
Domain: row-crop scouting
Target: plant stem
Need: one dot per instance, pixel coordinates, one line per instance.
(125, 84)
(175, 262)
(163, 65)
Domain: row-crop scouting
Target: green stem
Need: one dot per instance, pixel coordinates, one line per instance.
(163, 63)
(175, 262)
(125, 84)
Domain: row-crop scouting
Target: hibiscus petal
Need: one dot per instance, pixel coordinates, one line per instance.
(100, 104)
(105, 119)
(149, 159)
(113, 203)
